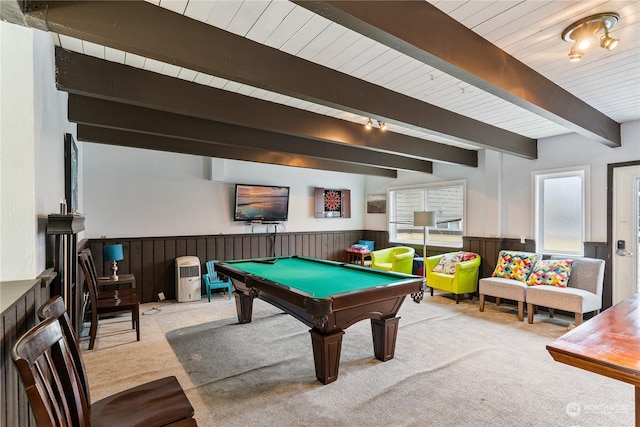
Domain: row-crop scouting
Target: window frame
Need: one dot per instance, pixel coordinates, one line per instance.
(425, 187)
(538, 177)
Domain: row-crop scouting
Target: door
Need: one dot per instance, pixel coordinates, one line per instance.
(626, 231)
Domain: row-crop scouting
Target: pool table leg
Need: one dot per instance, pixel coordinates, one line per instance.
(326, 355)
(384, 333)
(244, 307)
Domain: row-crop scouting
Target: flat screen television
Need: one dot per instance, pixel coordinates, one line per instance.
(261, 203)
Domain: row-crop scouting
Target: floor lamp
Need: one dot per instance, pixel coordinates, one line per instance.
(424, 219)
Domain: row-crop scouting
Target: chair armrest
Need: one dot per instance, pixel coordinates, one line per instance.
(432, 261)
(468, 265)
(403, 257)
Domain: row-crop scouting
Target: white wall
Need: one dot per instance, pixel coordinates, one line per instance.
(32, 126)
(514, 216)
(131, 192)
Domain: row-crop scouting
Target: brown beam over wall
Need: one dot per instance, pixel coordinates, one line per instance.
(113, 115)
(93, 77)
(150, 31)
(424, 32)
(176, 145)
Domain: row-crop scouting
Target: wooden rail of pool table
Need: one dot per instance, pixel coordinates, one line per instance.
(608, 344)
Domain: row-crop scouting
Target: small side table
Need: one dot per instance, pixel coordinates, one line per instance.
(355, 256)
(123, 279)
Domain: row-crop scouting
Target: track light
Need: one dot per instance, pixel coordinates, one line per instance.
(575, 54)
(369, 124)
(608, 42)
(382, 125)
(587, 30)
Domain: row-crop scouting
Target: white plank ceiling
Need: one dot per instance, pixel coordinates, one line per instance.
(528, 30)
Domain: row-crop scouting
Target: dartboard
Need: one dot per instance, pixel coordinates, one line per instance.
(332, 200)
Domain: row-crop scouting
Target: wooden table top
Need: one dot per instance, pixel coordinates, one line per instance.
(608, 344)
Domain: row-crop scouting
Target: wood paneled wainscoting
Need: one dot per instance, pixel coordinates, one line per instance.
(20, 301)
(152, 260)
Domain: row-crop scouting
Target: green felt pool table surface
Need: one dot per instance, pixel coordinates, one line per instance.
(317, 278)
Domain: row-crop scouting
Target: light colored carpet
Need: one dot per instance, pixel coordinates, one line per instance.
(453, 366)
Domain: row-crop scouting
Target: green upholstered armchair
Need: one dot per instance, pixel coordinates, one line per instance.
(398, 258)
(464, 279)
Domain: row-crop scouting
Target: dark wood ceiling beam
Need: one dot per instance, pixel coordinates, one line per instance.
(98, 112)
(153, 32)
(176, 145)
(89, 76)
(424, 32)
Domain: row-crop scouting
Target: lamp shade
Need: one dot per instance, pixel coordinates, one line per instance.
(424, 219)
(113, 253)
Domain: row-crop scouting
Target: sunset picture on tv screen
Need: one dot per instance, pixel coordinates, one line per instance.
(261, 202)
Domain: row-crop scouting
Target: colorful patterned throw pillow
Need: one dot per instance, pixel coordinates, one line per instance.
(467, 256)
(553, 272)
(448, 261)
(514, 265)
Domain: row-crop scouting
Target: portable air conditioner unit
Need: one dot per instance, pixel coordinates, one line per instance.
(188, 279)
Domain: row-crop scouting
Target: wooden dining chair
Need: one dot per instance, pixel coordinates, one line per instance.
(55, 391)
(164, 398)
(107, 302)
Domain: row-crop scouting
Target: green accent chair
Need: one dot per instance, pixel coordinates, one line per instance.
(212, 281)
(397, 258)
(463, 281)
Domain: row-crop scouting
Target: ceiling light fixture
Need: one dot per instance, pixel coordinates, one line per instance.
(585, 31)
(382, 125)
(369, 124)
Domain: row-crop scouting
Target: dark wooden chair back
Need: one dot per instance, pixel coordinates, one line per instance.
(91, 277)
(55, 308)
(51, 382)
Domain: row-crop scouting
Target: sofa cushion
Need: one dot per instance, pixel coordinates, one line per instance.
(514, 265)
(503, 288)
(568, 299)
(553, 272)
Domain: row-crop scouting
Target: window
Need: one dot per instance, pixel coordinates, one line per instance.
(447, 199)
(560, 212)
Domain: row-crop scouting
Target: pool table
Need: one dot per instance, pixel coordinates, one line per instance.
(326, 295)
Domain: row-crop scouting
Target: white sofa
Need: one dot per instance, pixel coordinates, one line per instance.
(583, 293)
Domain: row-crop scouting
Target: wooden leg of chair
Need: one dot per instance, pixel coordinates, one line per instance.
(431, 291)
(578, 318)
(481, 302)
(497, 301)
(530, 310)
(208, 293)
(136, 312)
(457, 296)
(94, 328)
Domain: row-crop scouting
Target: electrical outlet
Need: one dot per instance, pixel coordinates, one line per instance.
(161, 296)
